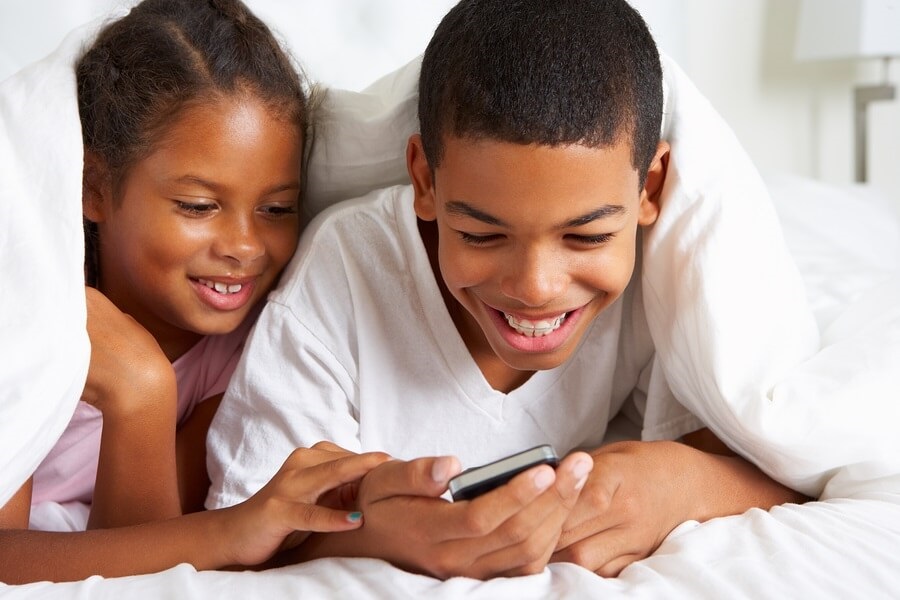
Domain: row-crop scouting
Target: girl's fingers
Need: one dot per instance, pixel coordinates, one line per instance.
(310, 482)
(311, 517)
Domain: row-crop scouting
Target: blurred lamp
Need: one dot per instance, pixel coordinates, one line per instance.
(852, 29)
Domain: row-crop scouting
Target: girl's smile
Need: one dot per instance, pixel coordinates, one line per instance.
(202, 226)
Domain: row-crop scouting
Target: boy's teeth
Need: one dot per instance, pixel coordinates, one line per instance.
(222, 288)
(535, 328)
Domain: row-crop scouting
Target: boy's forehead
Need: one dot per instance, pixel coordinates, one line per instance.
(490, 163)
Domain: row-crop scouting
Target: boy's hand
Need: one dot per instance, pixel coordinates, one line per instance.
(284, 512)
(511, 530)
(639, 492)
(635, 496)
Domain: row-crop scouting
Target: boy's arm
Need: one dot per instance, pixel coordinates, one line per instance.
(509, 531)
(639, 491)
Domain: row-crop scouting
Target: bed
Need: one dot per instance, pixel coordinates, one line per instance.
(840, 444)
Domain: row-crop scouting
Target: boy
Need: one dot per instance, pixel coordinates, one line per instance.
(493, 305)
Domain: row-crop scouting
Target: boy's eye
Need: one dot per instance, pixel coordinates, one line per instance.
(592, 240)
(195, 208)
(478, 240)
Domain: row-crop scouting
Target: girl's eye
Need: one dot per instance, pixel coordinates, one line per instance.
(194, 208)
(280, 210)
(478, 240)
(592, 240)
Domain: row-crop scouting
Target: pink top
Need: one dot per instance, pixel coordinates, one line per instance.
(68, 473)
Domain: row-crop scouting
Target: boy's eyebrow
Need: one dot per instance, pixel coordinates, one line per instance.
(462, 209)
(456, 207)
(607, 210)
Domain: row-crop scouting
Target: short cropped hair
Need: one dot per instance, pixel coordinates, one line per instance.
(548, 72)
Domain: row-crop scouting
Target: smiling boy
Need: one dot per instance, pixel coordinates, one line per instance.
(492, 305)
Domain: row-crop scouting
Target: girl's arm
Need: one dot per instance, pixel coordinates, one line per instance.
(279, 516)
(193, 479)
(15, 514)
(133, 385)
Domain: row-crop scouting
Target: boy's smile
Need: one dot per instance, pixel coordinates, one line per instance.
(532, 243)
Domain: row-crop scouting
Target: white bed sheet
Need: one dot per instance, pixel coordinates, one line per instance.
(843, 548)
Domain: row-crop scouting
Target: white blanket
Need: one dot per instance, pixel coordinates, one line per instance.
(822, 414)
(43, 343)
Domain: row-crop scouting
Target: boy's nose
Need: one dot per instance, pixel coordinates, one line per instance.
(535, 279)
(240, 241)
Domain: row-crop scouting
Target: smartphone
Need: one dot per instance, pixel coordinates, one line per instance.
(479, 480)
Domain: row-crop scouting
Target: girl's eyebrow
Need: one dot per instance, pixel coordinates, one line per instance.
(457, 207)
(214, 187)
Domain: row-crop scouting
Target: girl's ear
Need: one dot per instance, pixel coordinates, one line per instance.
(421, 177)
(96, 188)
(656, 178)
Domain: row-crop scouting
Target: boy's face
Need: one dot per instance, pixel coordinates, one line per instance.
(533, 241)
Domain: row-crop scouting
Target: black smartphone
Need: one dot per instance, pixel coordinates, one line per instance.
(479, 480)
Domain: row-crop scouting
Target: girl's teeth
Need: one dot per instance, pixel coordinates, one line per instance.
(220, 287)
(535, 328)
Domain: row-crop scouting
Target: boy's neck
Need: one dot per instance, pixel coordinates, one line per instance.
(497, 373)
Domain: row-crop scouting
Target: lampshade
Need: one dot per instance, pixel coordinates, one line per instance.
(831, 29)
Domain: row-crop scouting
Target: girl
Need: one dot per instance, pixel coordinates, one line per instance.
(193, 121)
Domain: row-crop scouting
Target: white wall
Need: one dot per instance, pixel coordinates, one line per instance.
(790, 116)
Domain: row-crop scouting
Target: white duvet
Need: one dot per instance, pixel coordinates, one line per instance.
(822, 413)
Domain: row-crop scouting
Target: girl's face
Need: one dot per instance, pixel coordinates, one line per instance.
(204, 224)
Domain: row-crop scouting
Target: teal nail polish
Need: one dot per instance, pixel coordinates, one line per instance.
(354, 517)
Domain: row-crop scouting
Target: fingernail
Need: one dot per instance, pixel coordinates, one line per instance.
(580, 483)
(354, 517)
(543, 479)
(580, 469)
(441, 468)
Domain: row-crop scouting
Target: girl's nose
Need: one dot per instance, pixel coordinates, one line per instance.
(239, 240)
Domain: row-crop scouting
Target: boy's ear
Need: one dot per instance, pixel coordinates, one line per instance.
(421, 177)
(96, 188)
(656, 177)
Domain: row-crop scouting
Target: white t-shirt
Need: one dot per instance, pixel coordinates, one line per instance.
(357, 347)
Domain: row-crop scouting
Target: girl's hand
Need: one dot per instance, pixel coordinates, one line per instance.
(286, 510)
(127, 365)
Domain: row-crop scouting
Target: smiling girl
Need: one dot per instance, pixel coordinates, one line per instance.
(193, 122)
